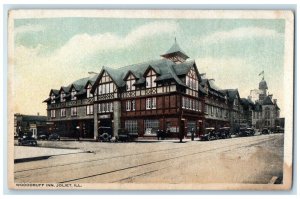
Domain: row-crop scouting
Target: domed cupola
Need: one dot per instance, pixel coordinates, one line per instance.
(263, 85)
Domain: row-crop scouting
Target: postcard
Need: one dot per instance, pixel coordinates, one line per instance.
(150, 99)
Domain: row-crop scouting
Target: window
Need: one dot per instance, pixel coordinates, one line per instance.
(151, 76)
(154, 103)
(192, 80)
(73, 111)
(133, 105)
(73, 93)
(151, 103)
(151, 126)
(88, 91)
(52, 113)
(62, 96)
(267, 113)
(90, 110)
(183, 102)
(106, 88)
(128, 105)
(52, 98)
(130, 83)
(63, 112)
(131, 126)
(105, 107)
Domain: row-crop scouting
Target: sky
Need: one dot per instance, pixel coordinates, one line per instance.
(54, 52)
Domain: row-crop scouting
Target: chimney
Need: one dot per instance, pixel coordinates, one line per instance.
(38, 114)
(275, 101)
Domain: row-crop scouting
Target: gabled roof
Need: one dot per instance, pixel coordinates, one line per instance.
(54, 91)
(212, 88)
(64, 88)
(165, 69)
(231, 94)
(267, 101)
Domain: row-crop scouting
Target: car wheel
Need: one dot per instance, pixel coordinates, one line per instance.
(208, 138)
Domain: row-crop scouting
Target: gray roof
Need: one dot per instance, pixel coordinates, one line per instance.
(267, 101)
(34, 118)
(231, 94)
(175, 49)
(165, 69)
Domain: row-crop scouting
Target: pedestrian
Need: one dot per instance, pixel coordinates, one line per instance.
(157, 134)
(193, 134)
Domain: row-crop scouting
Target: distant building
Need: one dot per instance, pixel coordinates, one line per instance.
(265, 111)
(216, 105)
(29, 123)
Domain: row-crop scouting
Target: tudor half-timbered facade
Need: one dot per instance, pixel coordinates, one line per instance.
(166, 94)
(150, 96)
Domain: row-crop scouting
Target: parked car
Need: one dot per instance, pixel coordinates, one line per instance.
(251, 131)
(209, 134)
(161, 134)
(105, 134)
(54, 136)
(243, 132)
(224, 132)
(27, 140)
(125, 136)
(43, 136)
(265, 131)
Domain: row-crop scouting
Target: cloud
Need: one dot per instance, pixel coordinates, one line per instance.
(29, 28)
(41, 72)
(239, 34)
(84, 45)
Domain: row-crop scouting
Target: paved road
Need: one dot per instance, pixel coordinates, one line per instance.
(238, 160)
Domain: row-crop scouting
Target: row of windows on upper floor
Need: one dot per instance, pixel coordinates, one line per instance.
(107, 86)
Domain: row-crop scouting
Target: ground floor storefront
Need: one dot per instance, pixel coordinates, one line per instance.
(173, 126)
(74, 128)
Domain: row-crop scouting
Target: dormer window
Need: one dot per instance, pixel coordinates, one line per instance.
(73, 93)
(62, 96)
(52, 98)
(151, 76)
(130, 83)
(192, 80)
(88, 91)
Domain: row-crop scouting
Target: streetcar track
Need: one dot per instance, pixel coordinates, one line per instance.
(100, 159)
(153, 162)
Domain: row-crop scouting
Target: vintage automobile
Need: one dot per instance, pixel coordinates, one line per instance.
(224, 132)
(161, 134)
(125, 136)
(209, 134)
(54, 136)
(251, 131)
(42, 136)
(246, 131)
(105, 134)
(27, 140)
(265, 131)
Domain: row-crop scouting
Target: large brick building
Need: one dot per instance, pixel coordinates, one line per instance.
(165, 94)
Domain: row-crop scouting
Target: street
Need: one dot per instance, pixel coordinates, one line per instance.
(256, 159)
